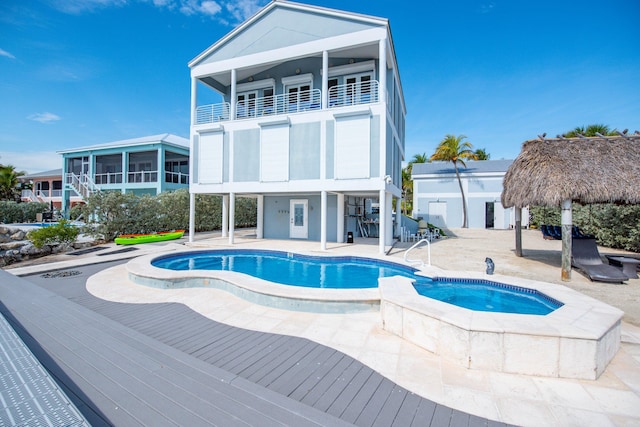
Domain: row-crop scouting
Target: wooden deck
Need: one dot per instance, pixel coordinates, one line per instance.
(172, 365)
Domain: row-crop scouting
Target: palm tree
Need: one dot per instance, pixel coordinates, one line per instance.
(407, 183)
(481, 154)
(591, 130)
(453, 149)
(9, 180)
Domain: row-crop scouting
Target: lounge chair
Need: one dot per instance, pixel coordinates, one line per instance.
(586, 258)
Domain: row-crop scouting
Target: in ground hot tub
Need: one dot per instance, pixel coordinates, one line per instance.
(575, 340)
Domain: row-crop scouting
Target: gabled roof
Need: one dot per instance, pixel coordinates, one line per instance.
(165, 138)
(602, 169)
(473, 166)
(281, 24)
(45, 174)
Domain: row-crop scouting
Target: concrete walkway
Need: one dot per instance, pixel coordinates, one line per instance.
(613, 399)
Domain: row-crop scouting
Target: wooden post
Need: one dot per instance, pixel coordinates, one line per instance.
(567, 224)
(518, 226)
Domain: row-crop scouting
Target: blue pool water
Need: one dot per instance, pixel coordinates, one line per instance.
(356, 273)
(484, 295)
(290, 269)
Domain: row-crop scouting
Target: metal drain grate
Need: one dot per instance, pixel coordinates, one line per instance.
(57, 274)
(28, 395)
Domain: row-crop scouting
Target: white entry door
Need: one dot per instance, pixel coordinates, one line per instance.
(298, 217)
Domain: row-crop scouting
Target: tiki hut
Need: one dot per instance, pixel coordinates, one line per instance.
(558, 171)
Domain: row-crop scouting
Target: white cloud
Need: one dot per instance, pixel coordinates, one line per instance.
(193, 7)
(243, 9)
(7, 54)
(45, 117)
(32, 161)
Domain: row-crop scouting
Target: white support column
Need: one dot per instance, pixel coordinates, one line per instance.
(388, 201)
(325, 79)
(398, 224)
(232, 101)
(567, 224)
(382, 221)
(192, 216)
(340, 219)
(260, 218)
(225, 215)
(232, 216)
(382, 72)
(323, 220)
(194, 99)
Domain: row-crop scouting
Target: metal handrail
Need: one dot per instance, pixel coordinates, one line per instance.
(284, 103)
(212, 113)
(419, 261)
(353, 94)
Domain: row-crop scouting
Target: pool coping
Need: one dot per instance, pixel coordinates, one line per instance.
(257, 290)
(577, 340)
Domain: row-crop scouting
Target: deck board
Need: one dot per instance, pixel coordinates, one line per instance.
(294, 368)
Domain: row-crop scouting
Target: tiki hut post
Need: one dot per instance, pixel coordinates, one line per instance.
(518, 212)
(567, 224)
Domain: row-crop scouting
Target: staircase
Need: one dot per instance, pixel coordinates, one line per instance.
(81, 184)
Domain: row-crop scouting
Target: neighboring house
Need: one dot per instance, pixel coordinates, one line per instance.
(437, 198)
(147, 165)
(311, 123)
(46, 187)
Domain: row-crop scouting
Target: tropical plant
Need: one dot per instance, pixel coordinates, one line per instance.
(9, 181)
(591, 130)
(481, 154)
(455, 150)
(60, 233)
(407, 182)
(114, 213)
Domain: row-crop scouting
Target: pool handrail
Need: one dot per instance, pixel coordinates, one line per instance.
(418, 261)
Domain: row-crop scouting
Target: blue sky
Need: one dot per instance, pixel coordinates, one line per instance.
(81, 72)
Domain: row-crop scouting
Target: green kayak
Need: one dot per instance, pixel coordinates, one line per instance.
(135, 239)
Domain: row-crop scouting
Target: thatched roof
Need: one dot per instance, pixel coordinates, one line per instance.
(587, 170)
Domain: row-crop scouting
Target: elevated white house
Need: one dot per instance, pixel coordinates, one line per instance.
(310, 122)
(437, 198)
(146, 165)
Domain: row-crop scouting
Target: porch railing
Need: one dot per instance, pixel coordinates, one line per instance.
(82, 184)
(142, 176)
(109, 178)
(29, 195)
(289, 103)
(176, 177)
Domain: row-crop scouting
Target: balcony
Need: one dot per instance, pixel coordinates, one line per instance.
(299, 102)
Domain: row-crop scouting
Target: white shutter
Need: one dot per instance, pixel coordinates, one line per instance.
(210, 158)
(274, 153)
(353, 146)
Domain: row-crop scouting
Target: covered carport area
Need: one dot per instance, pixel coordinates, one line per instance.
(555, 172)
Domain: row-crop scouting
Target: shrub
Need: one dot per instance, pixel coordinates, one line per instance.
(615, 226)
(60, 233)
(12, 212)
(114, 213)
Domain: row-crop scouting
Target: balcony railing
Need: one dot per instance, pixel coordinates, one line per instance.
(353, 94)
(279, 104)
(108, 178)
(176, 177)
(213, 113)
(143, 176)
(289, 103)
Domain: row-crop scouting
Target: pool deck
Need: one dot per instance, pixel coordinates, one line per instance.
(613, 399)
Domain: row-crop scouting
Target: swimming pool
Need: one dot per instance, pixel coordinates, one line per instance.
(577, 340)
(289, 268)
(293, 269)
